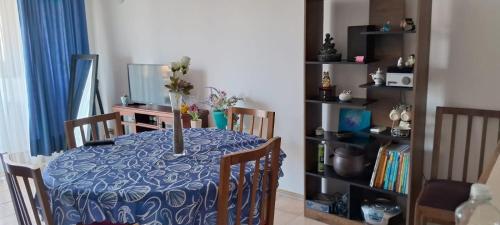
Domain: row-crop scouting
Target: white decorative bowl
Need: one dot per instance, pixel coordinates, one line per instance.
(345, 97)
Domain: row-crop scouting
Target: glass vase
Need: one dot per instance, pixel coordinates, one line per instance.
(177, 139)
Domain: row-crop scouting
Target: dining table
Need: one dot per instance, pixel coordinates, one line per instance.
(138, 179)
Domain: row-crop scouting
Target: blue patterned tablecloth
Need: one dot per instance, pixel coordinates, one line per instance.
(139, 180)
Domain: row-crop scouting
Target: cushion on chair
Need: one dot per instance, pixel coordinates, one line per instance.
(444, 194)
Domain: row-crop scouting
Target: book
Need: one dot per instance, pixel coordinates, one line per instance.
(407, 169)
(388, 171)
(383, 166)
(378, 166)
(399, 180)
(394, 171)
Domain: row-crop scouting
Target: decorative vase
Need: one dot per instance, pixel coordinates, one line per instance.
(124, 100)
(220, 119)
(178, 139)
(196, 123)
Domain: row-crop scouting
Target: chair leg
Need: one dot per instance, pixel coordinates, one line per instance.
(418, 220)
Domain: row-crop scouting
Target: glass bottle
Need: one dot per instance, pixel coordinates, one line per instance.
(478, 210)
(321, 157)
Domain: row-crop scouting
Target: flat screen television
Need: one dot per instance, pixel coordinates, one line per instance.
(147, 84)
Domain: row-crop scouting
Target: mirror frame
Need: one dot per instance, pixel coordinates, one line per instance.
(93, 89)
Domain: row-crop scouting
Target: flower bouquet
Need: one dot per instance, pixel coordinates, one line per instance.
(220, 103)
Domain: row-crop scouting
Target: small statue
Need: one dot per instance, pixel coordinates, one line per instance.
(400, 62)
(326, 81)
(327, 52)
(387, 27)
(410, 62)
(407, 25)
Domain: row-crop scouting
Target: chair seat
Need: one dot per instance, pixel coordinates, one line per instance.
(444, 194)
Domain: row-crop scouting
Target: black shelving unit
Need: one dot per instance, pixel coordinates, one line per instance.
(385, 48)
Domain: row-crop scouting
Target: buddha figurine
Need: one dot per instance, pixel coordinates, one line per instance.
(326, 81)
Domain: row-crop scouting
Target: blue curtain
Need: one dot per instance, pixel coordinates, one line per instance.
(52, 31)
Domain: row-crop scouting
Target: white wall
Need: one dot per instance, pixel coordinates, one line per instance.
(253, 49)
(465, 49)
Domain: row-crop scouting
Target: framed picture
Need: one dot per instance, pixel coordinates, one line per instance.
(354, 120)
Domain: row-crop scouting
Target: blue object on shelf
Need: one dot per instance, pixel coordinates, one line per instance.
(354, 120)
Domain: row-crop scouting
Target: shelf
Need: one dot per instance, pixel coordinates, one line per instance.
(399, 32)
(386, 134)
(344, 61)
(329, 218)
(151, 126)
(360, 102)
(127, 123)
(358, 141)
(372, 85)
(362, 182)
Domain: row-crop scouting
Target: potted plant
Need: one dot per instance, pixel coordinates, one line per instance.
(177, 88)
(219, 102)
(195, 116)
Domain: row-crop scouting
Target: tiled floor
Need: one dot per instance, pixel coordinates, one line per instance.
(289, 209)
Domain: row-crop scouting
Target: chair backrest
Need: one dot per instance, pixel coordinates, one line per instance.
(267, 155)
(484, 117)
(260, 115)
(13, 174)
(93, 122)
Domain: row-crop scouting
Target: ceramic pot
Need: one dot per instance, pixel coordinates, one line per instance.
(349, 162)
(178, 137)
(220, 119)
(196, 123)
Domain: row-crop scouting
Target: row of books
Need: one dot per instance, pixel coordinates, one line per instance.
(391, 168)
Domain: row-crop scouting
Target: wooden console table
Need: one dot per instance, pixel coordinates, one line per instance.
(139, 118)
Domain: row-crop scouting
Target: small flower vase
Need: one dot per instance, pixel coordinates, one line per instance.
(220, 119)
(124, 100)
(178, 139)
(196, 123)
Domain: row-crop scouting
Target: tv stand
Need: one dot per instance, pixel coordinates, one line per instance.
(147, 117)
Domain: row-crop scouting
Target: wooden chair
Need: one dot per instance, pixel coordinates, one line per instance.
(93, 121)
(13, 172)
(268, 151)
(439, 198)
(254, 113)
